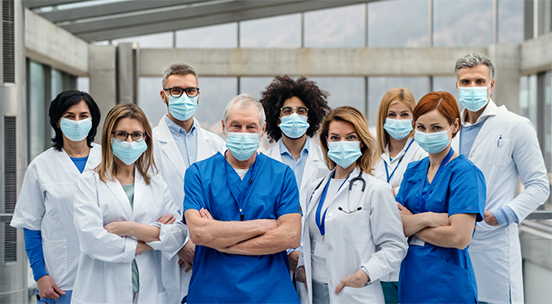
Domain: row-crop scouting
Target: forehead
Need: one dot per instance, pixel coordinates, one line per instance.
(182, 81)
(78, 108)
(341, 127)
(244, 113)
(398, 106)
(478, 71)
(432, 117)
(293, 102)
(129, 125)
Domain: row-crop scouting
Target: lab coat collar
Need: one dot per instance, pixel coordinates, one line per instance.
(385, 154)
(490, 110)
(121, 197)
(491, 118)
(94, 157)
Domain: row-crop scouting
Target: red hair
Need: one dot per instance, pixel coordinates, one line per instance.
(443, 102)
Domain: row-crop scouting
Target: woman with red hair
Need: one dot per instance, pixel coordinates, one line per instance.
(440, 199)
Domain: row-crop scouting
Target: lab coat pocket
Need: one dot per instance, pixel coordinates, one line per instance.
(55, 256)
(354, 295)
(162, 297)
(303, 293)
(356, 227)
(500, 152)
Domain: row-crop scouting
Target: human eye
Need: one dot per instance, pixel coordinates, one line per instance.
(137, 135)
(176, 91)
(420, 127)
(391, 114)
(405, 115)
(436, 128)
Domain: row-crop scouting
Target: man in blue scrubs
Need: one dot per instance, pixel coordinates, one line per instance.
(242, 210)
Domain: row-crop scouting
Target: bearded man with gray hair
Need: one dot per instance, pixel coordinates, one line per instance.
(505, 147)
(242, 210)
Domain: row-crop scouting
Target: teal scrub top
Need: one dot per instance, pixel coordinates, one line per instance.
(267, 191)
(433, 274)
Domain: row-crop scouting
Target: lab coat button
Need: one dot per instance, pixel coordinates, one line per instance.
(330, 214)
(330, 249)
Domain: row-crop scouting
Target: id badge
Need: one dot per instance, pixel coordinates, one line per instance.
(416, 241)
(320, 249)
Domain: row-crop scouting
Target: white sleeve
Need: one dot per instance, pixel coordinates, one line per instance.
(387, 233)
(30, 208)
(529, 162)
(94, 240)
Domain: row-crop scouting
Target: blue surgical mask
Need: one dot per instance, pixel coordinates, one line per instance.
(432, 142)
(242, 145)
(75, 130)
(294, 125)
(128, 152)
(344, 153)
(182, 108)
(398, 128)
(473, 98)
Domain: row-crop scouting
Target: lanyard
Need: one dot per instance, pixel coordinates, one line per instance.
(321, 222)
(239, 200)
(400, 160)
(423, 198)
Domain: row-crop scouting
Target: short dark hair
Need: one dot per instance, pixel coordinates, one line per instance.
(178, 69)
(64, 101)
(283, 88)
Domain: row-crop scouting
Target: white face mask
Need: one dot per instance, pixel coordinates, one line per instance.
(473, 98)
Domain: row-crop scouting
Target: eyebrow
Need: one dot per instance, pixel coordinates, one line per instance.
(435, 124)
(68, 112)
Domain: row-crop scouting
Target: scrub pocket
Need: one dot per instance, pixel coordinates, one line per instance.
(55, 256)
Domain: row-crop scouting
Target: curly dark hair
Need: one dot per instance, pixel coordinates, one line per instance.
(283, 88)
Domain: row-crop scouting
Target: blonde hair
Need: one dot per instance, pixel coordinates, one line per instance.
(393, 96)
(107, 169)
(357, 119)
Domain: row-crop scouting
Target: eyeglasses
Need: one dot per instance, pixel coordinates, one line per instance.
(299, 110)
(123, 135)
(177, 92)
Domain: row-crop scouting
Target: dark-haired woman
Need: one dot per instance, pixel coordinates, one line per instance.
(44, 208)
(294, 111)
(440, 199)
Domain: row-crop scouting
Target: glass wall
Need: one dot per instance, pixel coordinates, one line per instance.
(216, 36)
(336, 27)
(275, 32)
(510, 21)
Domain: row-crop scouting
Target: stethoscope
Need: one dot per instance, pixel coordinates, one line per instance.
(320, 221)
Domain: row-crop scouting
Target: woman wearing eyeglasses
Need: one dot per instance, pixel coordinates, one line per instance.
(123, 215)
(441, 198)
(294, 110)
(396, 149)
(45, 203)
(353, 232)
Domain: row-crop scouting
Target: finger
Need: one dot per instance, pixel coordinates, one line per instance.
(188, 269)
(306, 286)
(340, 287)
(58, 290)
(172, 220)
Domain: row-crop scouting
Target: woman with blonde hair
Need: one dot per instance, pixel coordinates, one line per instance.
(396, 149)
(123, 215)
(353, 233)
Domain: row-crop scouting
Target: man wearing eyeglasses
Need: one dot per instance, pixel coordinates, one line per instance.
(179, 141)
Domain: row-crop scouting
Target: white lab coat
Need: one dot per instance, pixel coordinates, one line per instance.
(414, 153)
(505, 149)
(372, 238)
(45, 203)
(105, 269)
(171, 166)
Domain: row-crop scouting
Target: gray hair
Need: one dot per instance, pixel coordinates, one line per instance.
(473, 60)
(178, 69)
(244, 100)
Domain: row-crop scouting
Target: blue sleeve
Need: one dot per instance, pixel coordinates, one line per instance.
(33, 247)
(289, 199)
(505, 216)
(468, 192)
(193, 190)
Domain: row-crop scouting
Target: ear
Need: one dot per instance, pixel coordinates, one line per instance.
(164, 97)
(264, 129)
(223, 127)
(492, 85)
(457, 89)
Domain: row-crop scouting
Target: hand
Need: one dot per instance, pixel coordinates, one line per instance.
(47, 288)
(205, 214)
(293, 258)
(434, 220)
(301, 276)
(166, 219)
(186, 255)
(182, 265)
(490, 219)
(403, 210)
(142, 247)
(119, 228)
(357, 280)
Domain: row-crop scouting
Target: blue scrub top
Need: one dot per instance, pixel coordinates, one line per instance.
(432, 274)
(227, 278)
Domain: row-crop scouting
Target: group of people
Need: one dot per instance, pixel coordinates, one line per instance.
(423, 212)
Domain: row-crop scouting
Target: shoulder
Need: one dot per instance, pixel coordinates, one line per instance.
(216, 160)
(418, 164)
(270, 151)
(510, 118)
(462, 166)
(376, 183)
(45, 158)
(211, 135)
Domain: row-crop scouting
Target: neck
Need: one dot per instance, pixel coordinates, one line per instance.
(472, 117)
(436, 159)
(185, 124)
(294, 146)
(237, 164)
(124, 171)
(75, 148)
(395, 146)
(341, 173)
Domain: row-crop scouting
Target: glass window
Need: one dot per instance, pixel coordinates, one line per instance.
(275, 32)
(154, 41)
(528, 98)
(378, 86)
(462, 23)
(83, 84)
(336, 27)
(37, 113)
(216, 36)
(57, 83)
(254, 85)
(548, 120)
(544, 17)
(398, 23)
(149, 99)
(510, 21)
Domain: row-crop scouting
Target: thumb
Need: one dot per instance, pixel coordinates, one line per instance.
(58, 290)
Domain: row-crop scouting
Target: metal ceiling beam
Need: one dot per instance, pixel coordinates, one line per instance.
(32, 4)
(111, 9)
(172, 15)
(214, 19)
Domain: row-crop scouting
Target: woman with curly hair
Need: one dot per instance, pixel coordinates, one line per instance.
(294, 111)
